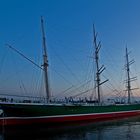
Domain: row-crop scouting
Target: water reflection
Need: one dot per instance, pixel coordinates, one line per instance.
(124, 129)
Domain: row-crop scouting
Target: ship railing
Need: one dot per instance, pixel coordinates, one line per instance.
(74, 102)
(21, 99)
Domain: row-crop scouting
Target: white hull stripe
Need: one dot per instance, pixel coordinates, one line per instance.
(73, 115)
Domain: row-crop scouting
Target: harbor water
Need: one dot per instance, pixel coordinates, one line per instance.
(121, 129)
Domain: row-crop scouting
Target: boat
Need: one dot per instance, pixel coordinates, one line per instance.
(53, 113)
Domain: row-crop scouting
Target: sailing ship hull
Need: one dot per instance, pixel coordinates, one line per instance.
(32, 114)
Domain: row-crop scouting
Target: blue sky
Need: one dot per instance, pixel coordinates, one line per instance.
(68, 25)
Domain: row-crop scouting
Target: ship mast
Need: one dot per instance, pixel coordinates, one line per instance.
(99, 69)
(129, 79)
(45, 61)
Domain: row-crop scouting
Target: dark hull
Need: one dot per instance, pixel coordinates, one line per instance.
(31, 114)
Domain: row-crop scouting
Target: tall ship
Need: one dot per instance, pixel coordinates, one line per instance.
(48, 113)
